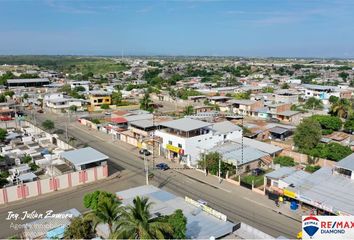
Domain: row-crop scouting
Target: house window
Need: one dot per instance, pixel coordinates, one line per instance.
(179, 145)
(170, 142)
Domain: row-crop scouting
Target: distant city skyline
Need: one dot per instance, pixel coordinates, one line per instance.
(255, 28)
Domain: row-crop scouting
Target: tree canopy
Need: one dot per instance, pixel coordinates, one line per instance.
(284, 161)
(48, 124)
(328, 123)
(79, 228)
(94, 199)
(307, 134)
(3, 134)
(313, 103)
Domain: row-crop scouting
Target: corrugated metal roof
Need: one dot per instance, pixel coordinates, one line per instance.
(347, 162)
(328, 189)
(232, 153)
(143, 123)
(296, 178)
(278, 130)
(225, 127)
(27, 80)
(185, 124)
(264, 147)
(200, 225)
(83, 156)
(281, 172)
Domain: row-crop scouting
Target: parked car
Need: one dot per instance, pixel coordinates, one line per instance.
(107, 113)
(162, 166)
(274, 120)
(257, 172)
(203, 202)
(145, 152)
(40, 111)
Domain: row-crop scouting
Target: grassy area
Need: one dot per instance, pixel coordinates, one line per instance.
(258, 180)
(68, 64)
(95, 67)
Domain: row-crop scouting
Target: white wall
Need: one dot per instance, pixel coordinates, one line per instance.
(192, 146)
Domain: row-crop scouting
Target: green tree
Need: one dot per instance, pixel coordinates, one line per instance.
(25, 96)
(342, 108)
(331, 151)
(79, 228)
(104, 106)
(307, 134)
(9, 93)
(285, 86)
(79, 89)
(3, 134)
(333, 99)
(66, 88)
(313, 103)
(146, 103)
(328, 123)
(117, 98)
(48, 124)
(108, 211)
(349, 124)
(188, 110)
(284, 161)
(268, 90)
(210, 161)
(33, 166)
(94, 199)
(2, 98)
(73, 108)
(312, 168)
(174, 79)
(26, 158)
(243, 95)
(343, 75)
(179, 224)
(136, 222)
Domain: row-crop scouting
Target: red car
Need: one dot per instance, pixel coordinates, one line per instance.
(5, 118)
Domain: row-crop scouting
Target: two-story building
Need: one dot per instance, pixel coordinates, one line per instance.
(184, 139)
(84, 84)
(98, 98)
(242, 107)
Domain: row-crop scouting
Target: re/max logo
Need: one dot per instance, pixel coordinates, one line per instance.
(339, 224)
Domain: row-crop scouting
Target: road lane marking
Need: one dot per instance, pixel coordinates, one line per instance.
(258, 203)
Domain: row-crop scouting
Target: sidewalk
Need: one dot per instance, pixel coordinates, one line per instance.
(199, 176)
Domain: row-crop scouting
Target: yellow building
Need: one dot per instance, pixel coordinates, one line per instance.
(97, 98)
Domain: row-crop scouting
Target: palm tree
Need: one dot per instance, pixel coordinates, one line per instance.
(107, 212)
(145, 102)
(137, 223)
(341, 108)
(188, 110)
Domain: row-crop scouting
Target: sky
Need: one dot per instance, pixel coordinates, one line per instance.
(253, 28)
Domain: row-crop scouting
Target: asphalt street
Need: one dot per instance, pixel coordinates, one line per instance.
(123, 158)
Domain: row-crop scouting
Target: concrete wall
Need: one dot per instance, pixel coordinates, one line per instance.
(192, 146)
(43, 186)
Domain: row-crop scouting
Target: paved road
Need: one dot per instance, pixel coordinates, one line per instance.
(234, 204)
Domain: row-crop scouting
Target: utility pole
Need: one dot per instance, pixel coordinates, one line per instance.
(219, 170)
(146, 170)
(66, 128)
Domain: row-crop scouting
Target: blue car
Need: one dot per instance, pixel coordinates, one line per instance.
(162, 166)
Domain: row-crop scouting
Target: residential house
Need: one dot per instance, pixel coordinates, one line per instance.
(98, 98)
(184, 139)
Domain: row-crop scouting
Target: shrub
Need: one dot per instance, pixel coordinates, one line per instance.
(311, 168)
(284, 161)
